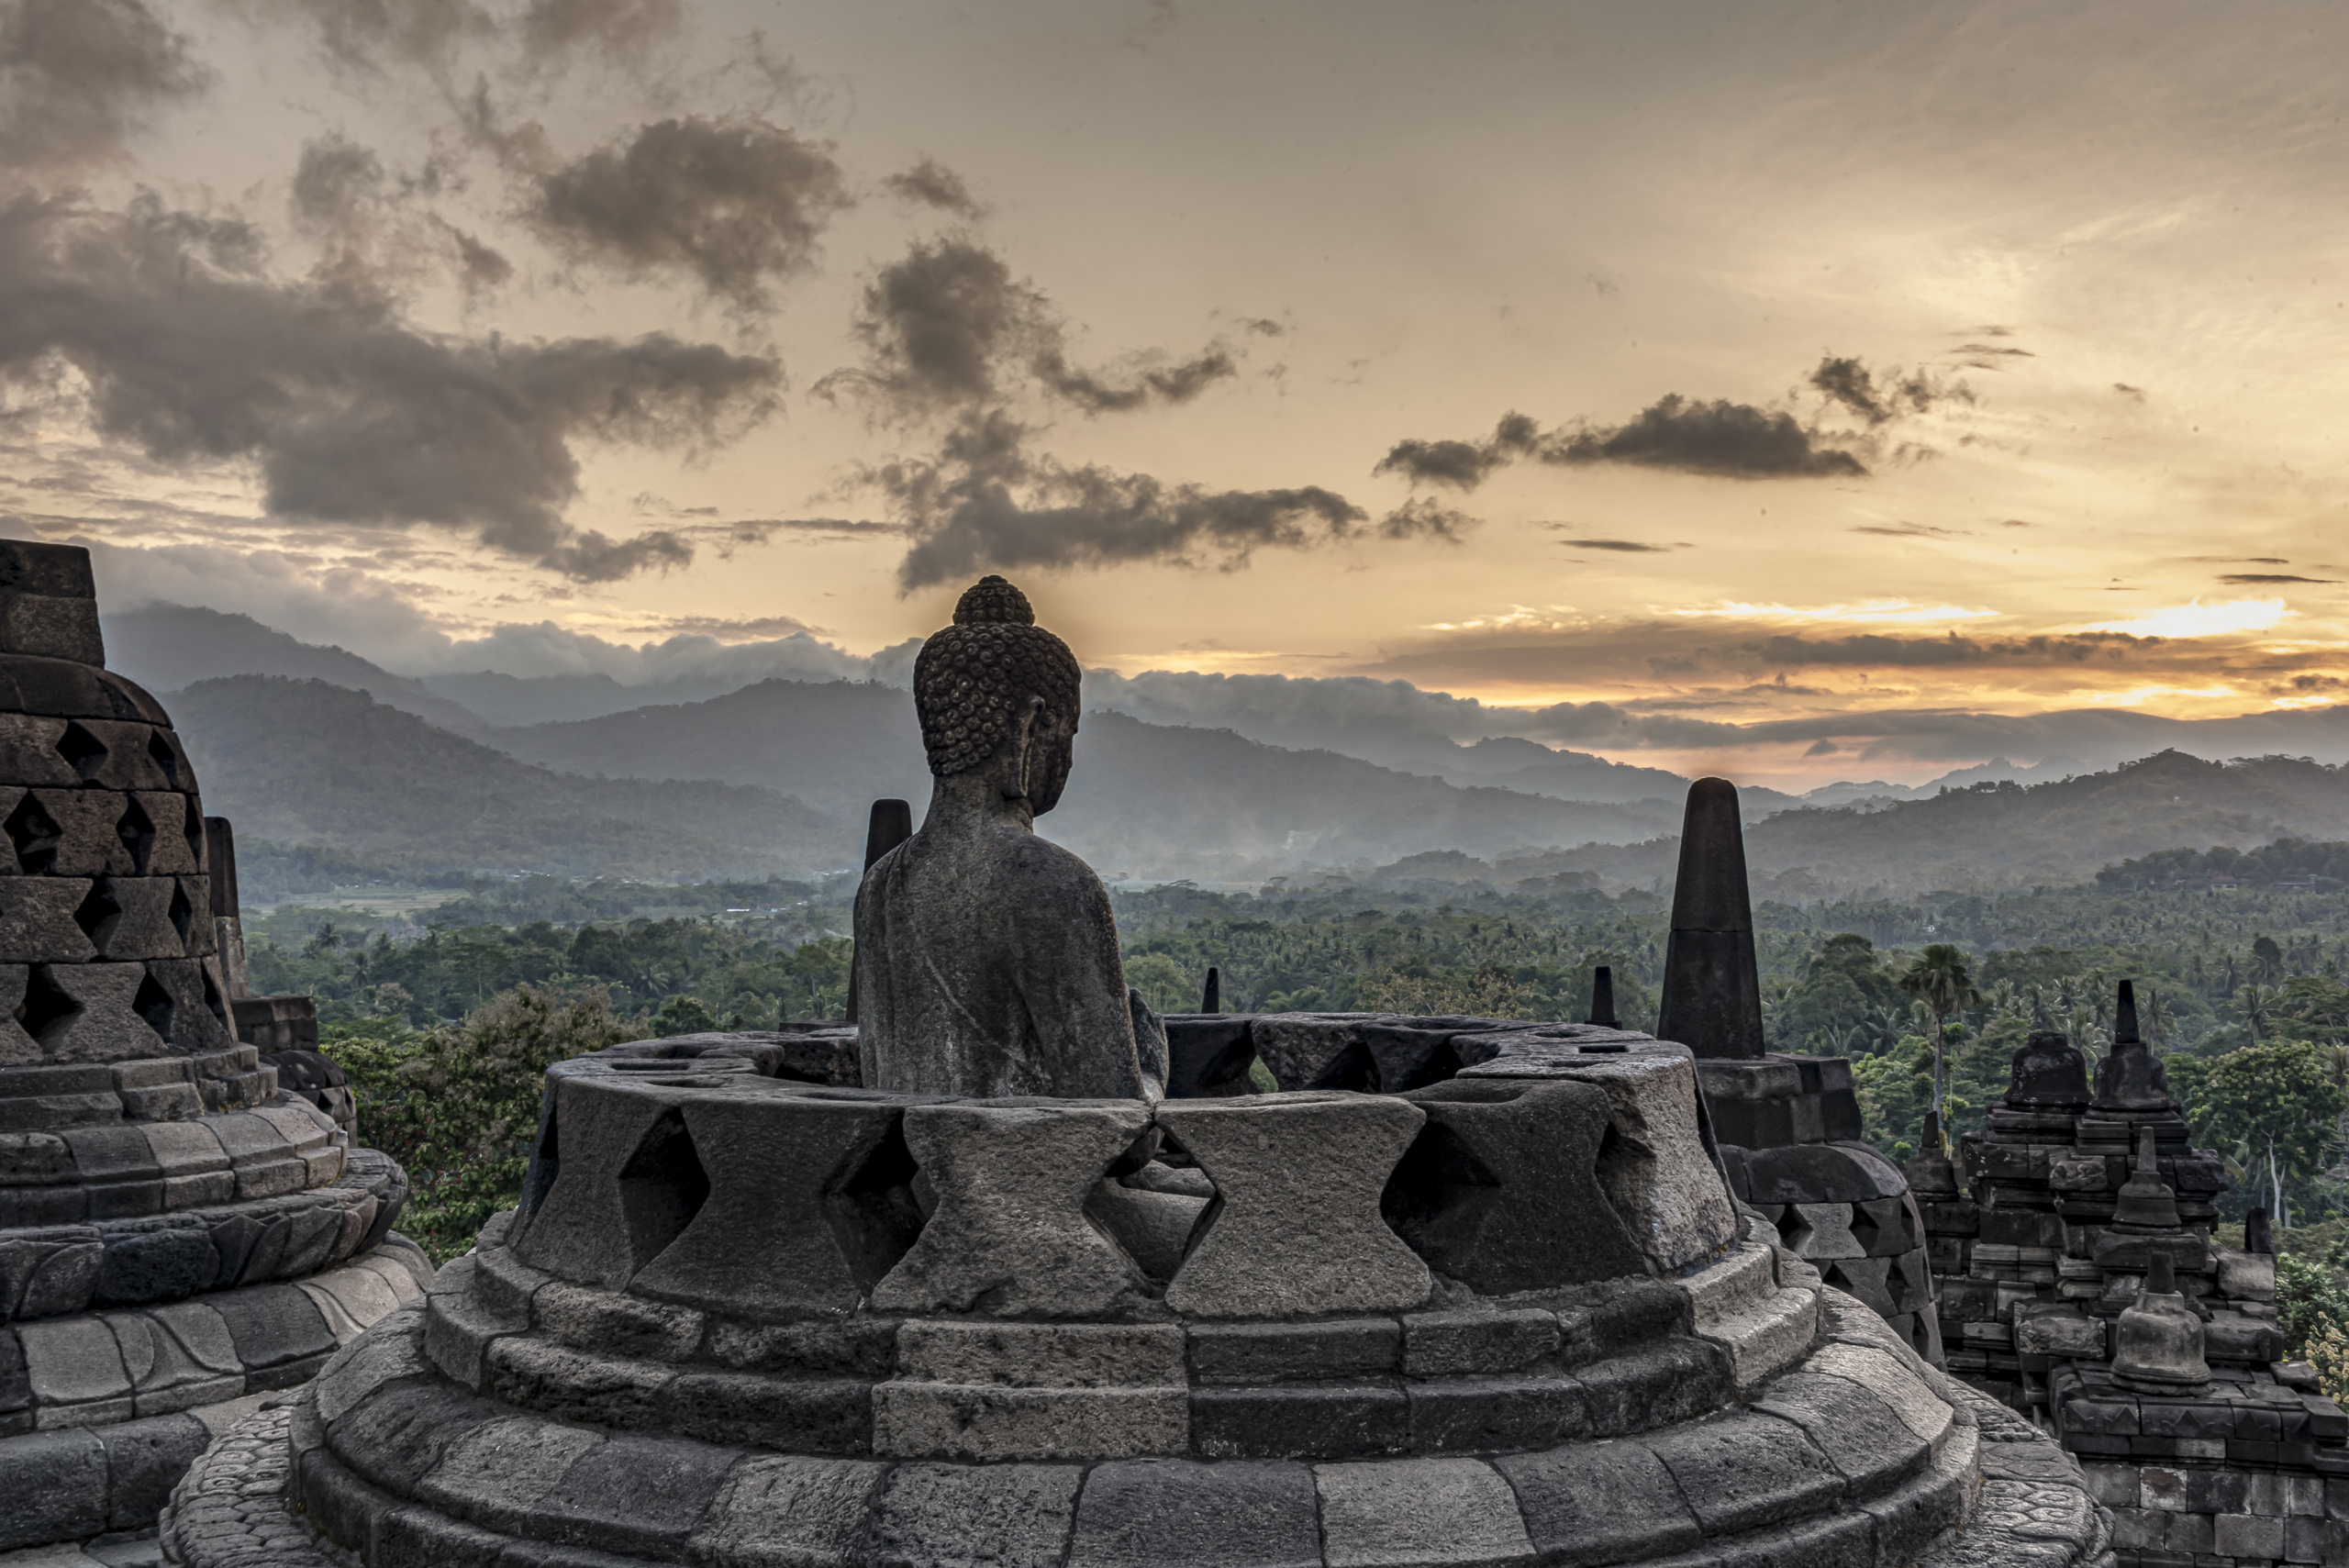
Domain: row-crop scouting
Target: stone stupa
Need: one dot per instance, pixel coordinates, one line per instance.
(177, 1235)
(1465, 1290)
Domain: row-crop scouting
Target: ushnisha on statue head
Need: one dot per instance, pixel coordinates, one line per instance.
(987, 959)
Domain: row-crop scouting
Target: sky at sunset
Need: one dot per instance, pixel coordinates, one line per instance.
(1802, 391)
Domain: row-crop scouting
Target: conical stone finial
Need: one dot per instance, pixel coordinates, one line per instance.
(2125, 1016)
(1713, 991)
(1211, 999)
(2131, 1077)
(1602, 998)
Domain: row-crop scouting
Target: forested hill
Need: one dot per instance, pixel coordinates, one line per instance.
(2009, 835)
(307, 762)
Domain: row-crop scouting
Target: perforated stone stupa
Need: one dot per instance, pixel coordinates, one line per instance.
(177, 1235)
(1462, 1290)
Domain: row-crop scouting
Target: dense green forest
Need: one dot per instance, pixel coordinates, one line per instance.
(2242, 986)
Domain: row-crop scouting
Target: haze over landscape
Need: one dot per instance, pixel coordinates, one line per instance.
(1804, 393)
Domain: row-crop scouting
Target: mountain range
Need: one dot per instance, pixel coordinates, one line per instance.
(315, 746)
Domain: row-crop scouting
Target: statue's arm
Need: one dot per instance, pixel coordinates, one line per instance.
(1074, 985)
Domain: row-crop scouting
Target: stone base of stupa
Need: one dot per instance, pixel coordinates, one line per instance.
(1511, 1317)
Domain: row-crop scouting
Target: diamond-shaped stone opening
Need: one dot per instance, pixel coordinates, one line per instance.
(45, 1009)
(216, 1004)
(98, 916)
(662, 1186)
(1353, 1068)
(192, 827)
(153, 1003)
(1437, 1178)
(136, 831)
(166, 758)
(874, 1215)
(83, 751)
(35, 836)
(546, 1156)
(182, 913)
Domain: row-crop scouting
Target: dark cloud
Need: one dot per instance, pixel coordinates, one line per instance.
(182, 346)
(2126, 390)
(931, 184)
(479, 267)
(1263, 326)
(986, 501)
(1719, 437)
(1909, 531)
(1727, 441)
(1822, 748)
(735, 203)
(1461, 465)
(79, 78)
(334, 180)
(1095, 394)
(1880, 397)
(1426, 518)
(1993, 348)
(1625, 545)
(947, 327)
(2248, 579)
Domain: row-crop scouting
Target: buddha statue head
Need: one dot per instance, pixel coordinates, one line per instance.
(997, 695)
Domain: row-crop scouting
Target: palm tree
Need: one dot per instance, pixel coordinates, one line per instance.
(1941, 979)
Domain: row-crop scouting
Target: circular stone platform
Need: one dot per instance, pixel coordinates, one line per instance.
(1509, 1315)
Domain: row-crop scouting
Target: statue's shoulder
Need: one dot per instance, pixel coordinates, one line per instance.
(1033, 858)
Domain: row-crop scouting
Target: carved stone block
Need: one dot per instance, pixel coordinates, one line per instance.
(1009, 1236)
(1295, 1229)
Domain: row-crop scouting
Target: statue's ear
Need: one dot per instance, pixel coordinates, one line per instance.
(1024, 724)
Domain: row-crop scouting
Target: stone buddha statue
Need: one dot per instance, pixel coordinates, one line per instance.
(987, 959)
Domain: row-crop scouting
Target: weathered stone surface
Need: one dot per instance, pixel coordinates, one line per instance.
(2049, 1074)
(1873, 1448)
(196, 1004)
(103, 1025)
(1324, 1420)
(1461, 1414)
(1655, 1171)
(637, 1495)
(77, 1360)
(1009, 1236)
(789, 1513)
(36, 920)
(1041, 1355)
(1208, 1056)
(1295, 1229)
(1821, 1173)
(57, 1488)
(627, 1182)
(1599, 1502)
(1314, 1051)
(809, 1205)
(1170, 1513)
(1500, 1189)
(1001, 1516)
(1741, 1471)
(990, 1422)
(1447, 1344)
(987, 959)
(496, 1474)
(1711, 999)
(1410, 1512)
(1151, 1227)
(1821, 1232)
(1327, 1350)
